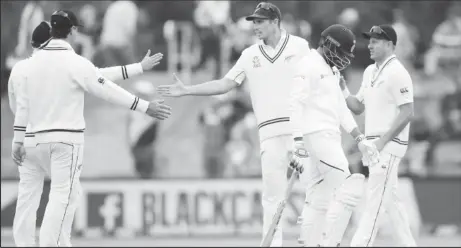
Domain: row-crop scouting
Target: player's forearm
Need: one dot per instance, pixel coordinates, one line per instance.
(296, 119)
(21, 118)
(356, 134)
(355, 105)
(116, 73)
(215, 87)
(402, 120)
(347, 120)
(352, 102)
(20, 122)
(113, 93)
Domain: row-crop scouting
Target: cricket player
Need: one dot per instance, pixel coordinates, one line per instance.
(318, 112)
(31, 174)
(267, 68)
(386, 96)
(50, 99)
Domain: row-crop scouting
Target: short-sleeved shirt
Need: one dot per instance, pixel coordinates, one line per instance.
(383, 91)
(269, 73)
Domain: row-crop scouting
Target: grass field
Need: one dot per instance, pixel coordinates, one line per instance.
(229, 242)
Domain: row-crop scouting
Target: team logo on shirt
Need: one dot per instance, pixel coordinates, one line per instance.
(404, 90)
(101, 80)
(256, 62)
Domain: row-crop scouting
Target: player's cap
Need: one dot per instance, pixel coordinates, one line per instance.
(63, 19)
(342, 37)
(265, 11)
(41, 34)
(384, 32)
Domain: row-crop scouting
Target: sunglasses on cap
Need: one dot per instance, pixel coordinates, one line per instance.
(379, 30)
(61, 13)
(68, 17)
(266, 6)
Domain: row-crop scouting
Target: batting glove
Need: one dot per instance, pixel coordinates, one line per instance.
(368, 149)
(299, 154)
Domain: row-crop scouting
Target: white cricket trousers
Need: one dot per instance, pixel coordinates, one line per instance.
(382, 196)
(64, 162)
(275, 159)
(40, 161)
(31, 177)
(325, 171)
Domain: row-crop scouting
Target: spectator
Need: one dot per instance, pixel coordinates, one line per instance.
(117, 44)
(451, 125)
(408, 35)
(211, 18)
(242, 36)
(32, 14)
(142, 134)
(350, 17)
(445, 52)
(86, 39)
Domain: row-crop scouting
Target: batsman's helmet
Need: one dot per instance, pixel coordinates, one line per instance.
(338, 43)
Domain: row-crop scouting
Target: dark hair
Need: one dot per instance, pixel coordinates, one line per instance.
(60, 33)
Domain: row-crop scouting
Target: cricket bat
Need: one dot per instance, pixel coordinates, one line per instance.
(267, 239)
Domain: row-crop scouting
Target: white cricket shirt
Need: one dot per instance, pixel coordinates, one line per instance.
(51, 95)
(383, 90)
(17, 76)
(269, 74)
(317, 102)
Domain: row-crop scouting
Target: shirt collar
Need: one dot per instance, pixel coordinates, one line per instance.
(57, 44)
(385, 62)
(282, 38)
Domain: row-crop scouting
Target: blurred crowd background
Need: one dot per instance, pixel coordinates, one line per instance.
(140, 175)
(216, 137)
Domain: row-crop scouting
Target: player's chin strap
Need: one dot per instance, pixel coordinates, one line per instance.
(339, 212)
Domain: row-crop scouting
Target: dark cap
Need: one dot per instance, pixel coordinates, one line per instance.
(265, 11)
(384, 32)
(63, 19)
(41, 34)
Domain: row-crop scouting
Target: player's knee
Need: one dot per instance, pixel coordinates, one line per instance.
(351, 191)
(63, 193)
(273, 189)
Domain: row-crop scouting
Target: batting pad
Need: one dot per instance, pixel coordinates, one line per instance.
(340, 210)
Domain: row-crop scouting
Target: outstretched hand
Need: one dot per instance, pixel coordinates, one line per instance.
(148, 62)
(176, 89)
(158, 110)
